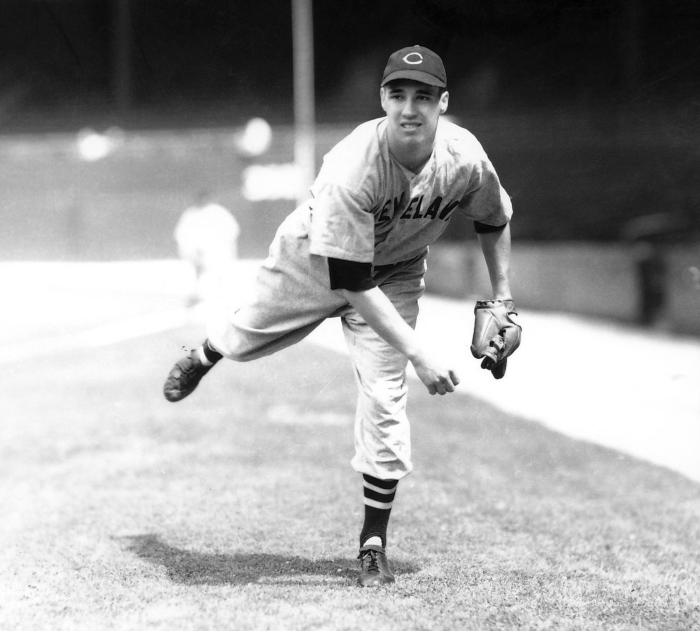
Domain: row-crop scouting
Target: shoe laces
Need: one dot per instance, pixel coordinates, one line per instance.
(372, 562)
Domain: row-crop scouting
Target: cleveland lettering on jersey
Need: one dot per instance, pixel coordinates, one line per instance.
(413, 210)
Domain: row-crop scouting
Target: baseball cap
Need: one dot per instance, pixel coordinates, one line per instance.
(417, 63)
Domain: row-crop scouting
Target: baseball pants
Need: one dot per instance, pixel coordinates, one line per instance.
(291, 296)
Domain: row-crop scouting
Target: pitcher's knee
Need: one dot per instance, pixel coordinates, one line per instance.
(388, 407)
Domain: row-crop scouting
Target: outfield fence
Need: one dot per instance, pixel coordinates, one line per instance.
(67, 197)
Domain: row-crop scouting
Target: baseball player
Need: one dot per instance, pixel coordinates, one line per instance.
(357, 251)
(207, 238)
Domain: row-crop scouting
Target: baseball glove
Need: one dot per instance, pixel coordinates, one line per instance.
(496, 334)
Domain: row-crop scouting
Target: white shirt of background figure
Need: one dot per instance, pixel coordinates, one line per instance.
(207, 238)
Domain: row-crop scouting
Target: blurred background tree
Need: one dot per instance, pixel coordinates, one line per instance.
(589, 108)
(233, 59)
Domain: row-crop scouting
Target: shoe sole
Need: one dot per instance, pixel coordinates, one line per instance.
(376, 583)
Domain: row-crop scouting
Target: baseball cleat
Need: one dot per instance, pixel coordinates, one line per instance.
(374, 567)
(184, 377)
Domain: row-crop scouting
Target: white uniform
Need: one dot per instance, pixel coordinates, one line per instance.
(367, 208)
(207, 238)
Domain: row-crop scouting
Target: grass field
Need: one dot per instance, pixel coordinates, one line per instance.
(237, 508)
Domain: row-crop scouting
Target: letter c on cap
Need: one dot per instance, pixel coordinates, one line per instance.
(408, 60)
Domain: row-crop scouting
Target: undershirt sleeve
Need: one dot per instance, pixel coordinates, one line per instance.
(350, 275)
(482, 228)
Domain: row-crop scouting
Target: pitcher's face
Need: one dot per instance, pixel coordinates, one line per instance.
(413, 110)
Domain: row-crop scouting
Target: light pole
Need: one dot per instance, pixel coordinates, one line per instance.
(304, 110)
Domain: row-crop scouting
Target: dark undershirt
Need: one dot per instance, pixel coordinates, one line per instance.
(355, 276)
(483, 228)
(350, 275)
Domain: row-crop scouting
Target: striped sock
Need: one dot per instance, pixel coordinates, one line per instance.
(379, 496)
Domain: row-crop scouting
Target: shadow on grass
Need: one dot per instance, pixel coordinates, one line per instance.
(199, 568)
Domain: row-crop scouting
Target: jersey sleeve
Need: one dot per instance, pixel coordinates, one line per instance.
(186, 235)
(486, 201)
(341, 226)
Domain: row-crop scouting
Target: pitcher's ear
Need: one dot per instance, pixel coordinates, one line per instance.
(444, 102)
(382, 98)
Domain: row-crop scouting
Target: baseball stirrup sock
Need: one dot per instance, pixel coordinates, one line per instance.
(379, 497)
(208, 354)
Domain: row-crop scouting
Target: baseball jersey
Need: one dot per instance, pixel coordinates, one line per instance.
(209, 231)
(368, 208)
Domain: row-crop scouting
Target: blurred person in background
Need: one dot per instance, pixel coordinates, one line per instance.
(207, 239)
